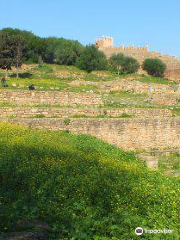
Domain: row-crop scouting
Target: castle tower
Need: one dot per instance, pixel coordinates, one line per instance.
(104, 42)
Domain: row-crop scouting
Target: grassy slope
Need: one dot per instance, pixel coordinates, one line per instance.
(83, 187)
(56, 76)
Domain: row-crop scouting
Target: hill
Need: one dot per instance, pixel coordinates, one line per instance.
(82, 187)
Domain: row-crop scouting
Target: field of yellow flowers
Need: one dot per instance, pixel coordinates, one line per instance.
(82, 187)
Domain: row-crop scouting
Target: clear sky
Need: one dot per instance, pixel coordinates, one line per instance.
(138, 22)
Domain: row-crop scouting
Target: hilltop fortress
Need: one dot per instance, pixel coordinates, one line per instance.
(106, 44)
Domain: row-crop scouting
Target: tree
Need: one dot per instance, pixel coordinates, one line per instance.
(67, 52)
(62, 51)
(92, 59)
(19, 47)
(6, 51)
(11, 51)
(130, 65)
(30, 40)
(123, 64)
(49, 50)
(154, 67)
(115, 62)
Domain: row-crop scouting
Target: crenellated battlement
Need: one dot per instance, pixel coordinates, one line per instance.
(106, 43)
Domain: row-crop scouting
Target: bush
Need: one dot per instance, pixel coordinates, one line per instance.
(123, 64)
(130, 65)
(115, 62)
(92, 59)
(154, 67)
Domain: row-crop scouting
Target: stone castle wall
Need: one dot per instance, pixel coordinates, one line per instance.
(137, 133)
(25, 112)
(105, 44)
(173, 74)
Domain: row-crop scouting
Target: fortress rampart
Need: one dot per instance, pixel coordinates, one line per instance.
(106, 44)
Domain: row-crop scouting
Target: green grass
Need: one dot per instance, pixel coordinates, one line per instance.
(40, 84)
(53, 77)
(170, 164)
(7, 104)
(82, 187)
(125, 98)
(83, 88)
(124, 115)
(176, 111)
(156, 80)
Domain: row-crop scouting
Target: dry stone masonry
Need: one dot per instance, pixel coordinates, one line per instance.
(51, 97)
(145, 129)
(56, 112)
(137, 133)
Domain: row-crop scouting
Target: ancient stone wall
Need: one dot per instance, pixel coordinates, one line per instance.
(136, 86)
(161, 94)
(137, 133)
(130, 85)
(53, 97)
(25, 112)
(174, 74)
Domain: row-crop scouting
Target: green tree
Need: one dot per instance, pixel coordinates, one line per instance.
(31, 41)
(67, 52)
(49, 50)
(11, 51)
(92, 59)
(19, 47)
(115, 62)
(123, 64)
(6, 51)
(130, 65)
(154, 67)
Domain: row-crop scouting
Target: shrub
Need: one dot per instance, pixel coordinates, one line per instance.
(67, 121)
(154, 67)
(123, 64)
(115, 62)
(92, 59)
(130, 65)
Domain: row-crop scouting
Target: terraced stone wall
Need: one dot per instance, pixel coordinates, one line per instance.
(135, 133)
(24, 112)
(51, 97)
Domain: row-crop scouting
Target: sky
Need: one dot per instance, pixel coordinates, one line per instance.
(140, 22)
